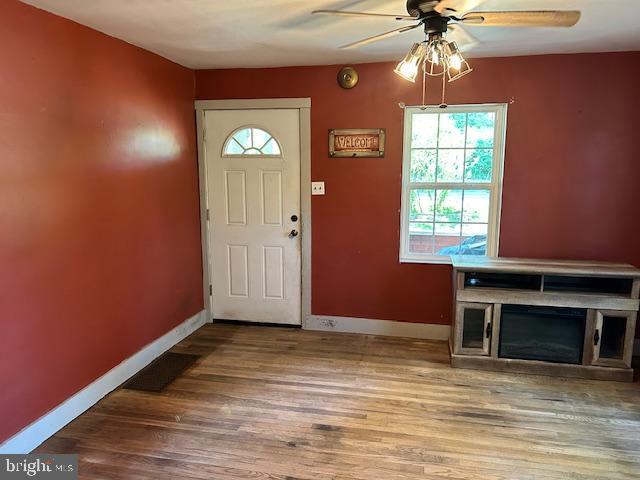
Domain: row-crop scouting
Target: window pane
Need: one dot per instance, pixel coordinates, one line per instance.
(251, 141)
(243, 137)
(423, 165)
(421, 243)
(450, 165)
(421, 228)
(422, 204)
(474, 239)
(448, 205)
(233, 148)
(476, 206)
(447, 239)
(448, 229)
(260, 137)
(478, 166)
(473, 229)
(473, 328)
(613, 337)
(271, 148)
(480, 129)
(452, 130)
(424, 132)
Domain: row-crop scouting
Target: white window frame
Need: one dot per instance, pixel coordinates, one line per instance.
(495, 187)
(230, 138)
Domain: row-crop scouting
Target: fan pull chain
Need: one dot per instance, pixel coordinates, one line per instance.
(443, 104)
(424, 84)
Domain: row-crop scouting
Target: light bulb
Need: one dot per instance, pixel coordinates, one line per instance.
(408, 70)
(408, 67)
(455, 61)
(458, 67)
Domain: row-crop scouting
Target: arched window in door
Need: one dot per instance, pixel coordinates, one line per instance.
(251, 142)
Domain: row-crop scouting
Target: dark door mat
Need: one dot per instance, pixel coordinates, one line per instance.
(160, 373)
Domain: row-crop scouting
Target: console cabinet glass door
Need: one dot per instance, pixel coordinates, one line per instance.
(613, 338)
(473, 328)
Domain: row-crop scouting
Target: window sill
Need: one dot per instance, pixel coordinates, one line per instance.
(443, 260)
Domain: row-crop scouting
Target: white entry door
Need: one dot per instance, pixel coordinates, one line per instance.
(253, 182)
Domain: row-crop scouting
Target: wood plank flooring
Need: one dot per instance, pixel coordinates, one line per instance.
(275, 403)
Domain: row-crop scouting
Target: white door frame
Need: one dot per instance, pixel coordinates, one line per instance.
(303, 105)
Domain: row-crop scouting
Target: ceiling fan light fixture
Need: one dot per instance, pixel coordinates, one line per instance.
(437, 50)
(435, 56)
(456, 73)
(438, 57)
(455, 57)
(410, 64)
(457, 65)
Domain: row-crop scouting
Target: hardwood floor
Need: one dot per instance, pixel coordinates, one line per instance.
(273, 403)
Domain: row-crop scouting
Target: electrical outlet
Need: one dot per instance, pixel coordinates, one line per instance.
(317, 188)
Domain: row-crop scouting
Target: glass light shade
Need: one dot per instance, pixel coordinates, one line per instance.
(437, 52)
(456, 73)
(409, 66)
(435, 56)
(457, 66)
(455, 61)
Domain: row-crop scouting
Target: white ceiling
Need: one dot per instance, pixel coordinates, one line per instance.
(263, 33)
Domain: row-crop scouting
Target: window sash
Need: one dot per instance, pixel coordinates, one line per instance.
(494, 187)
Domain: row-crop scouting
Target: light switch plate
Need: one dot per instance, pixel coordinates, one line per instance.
(317, 188)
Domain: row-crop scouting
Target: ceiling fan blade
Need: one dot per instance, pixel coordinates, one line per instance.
(344, 13)
(427, 5)
(380, 36)
(461, 36)
(451, 7)
(551, 18)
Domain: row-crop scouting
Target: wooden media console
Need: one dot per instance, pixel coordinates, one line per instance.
(546, 317)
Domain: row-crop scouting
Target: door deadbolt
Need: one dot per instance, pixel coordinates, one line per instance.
(294, 218)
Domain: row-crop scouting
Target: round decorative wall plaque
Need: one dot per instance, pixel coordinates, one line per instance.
(348, 77)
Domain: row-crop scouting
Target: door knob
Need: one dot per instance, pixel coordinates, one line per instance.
(293, 233)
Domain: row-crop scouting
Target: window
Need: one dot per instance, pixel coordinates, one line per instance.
(251, 141)
(451, 182)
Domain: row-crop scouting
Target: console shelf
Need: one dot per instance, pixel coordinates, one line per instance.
(549, 317)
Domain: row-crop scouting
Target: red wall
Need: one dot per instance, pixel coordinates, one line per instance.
(99, 223)
(571, 171)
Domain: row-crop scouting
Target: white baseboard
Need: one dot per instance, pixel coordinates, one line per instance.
(377, 327)
(36, 433)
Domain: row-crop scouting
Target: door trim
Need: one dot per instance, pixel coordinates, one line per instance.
(303, 105)
(254, 104)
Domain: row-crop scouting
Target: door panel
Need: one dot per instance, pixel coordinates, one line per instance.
(252, 194)
(613, 338)
(236, 197)
(273, 269)
(271, 184)
(237, 267)
(473, 328)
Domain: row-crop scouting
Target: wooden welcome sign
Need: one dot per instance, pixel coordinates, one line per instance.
(365, 142)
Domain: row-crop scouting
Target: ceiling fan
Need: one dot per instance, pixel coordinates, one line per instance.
(437, 17)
